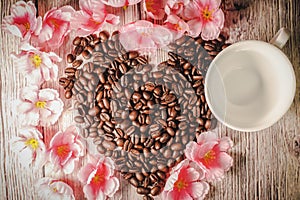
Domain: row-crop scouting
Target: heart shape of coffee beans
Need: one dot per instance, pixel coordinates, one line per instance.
(142, 116)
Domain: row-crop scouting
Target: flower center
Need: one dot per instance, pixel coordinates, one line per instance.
(178, 27)
(36, 60)
(209, 156)
(62, 151)
(54, 189)
(98, 178)
(27, 26)
(32, 143)
(41, 104)
(207, 14)
(181, 184)
(54, 23)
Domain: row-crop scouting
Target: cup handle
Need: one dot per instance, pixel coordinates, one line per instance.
(281, 38)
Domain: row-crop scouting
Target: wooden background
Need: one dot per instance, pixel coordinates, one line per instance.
(266, 163)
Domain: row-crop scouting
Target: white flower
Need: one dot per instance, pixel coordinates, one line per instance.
(39, 107)
(51, 189)
(30, 148)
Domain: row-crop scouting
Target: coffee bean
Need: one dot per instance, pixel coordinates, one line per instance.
(142, 190)
(176, 146)
(77, 63)
(155, 190)
(79, 119)
(76, 41)
(139, 176)
(103, 35)
(146, 197)
(109, 145)
(133, 181)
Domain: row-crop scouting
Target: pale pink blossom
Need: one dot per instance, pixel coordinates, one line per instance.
(23, 21)
(56, 26)
(30, 148)
(51, 189)
(176, 25)
(175, 6)
(186, 182)
(144, 36)
(205, 17)
(39, 66)
(38, 107)
(91, 17)
(210, 154)
(65, 149)
(155, 8)
(120, 3)
(98, 178)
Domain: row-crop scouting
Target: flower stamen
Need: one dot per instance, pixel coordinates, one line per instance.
(41, 104)
(181, 184)
(207, 14)
(27, 26)
(209, 156)
(62, 151)
(32, 143)
(36, 60)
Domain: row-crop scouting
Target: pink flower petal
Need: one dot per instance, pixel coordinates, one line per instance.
(225, 144)
(85, 172)
(198, 190)
(207, 137)
(111, 187)
(219, 18)
(195, 27)
(210, 31)
(191, 11)
(225, 161)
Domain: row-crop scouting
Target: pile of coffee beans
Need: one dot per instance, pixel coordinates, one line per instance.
(142, 116)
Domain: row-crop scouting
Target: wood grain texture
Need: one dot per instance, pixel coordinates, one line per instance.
(266, 163)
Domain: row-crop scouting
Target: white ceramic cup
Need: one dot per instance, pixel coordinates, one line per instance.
(251, 84)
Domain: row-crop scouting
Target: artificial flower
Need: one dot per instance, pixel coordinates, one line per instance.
(91, 17)
(30, 148)
(66, 148)
(51, 189)
(186, 182)
(176, 25)
(120, 3)
(143, 36)
(97, 177)
(175, 6)
(205, 17)
(37, 65)
(210, 154)
(56, 26)
(155, 8)
(39, 107)
(23, 21)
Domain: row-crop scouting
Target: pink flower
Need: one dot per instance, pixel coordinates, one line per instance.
(210, 154)
(22, 22)
(97, 177)
(56, 26)
(155, 8)
(91, 17)
(176, 25)
(175, 6)
(185, 183)
(38, 107)
(51, 189)
(37, 65)
(204, 17)
(143, 36)
(120, 3)
(66, 148)
(30, 148)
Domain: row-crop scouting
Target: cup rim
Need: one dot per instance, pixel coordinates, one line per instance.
(273, 120)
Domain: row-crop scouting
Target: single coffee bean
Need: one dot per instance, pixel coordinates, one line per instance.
(109, 145)
(176, 146)
(133, 181)
(142, 190)
(76, 41)
(77, 63)
(155, 190)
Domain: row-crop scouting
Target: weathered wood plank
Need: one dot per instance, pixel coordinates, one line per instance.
(265, 163)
